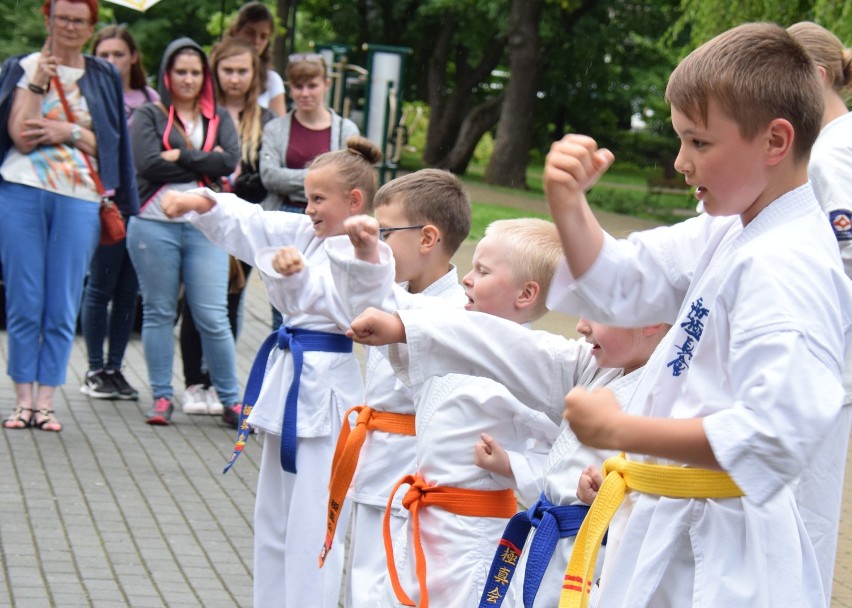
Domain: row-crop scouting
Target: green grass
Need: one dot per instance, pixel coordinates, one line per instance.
(624, 189)
(484, 214)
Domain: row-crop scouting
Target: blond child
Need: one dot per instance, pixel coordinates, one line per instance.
(456, 509)
(300, 435)
(744, 389)
(538, 368)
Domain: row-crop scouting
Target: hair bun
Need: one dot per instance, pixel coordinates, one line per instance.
(364, 147)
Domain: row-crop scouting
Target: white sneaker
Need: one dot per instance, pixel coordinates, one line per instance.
(214, 406)
(194, 400)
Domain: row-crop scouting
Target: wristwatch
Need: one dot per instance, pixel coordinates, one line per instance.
(76, 134)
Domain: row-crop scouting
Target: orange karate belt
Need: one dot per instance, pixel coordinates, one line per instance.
(461, 501)
(346, 454)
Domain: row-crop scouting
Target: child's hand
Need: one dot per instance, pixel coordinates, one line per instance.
(363, 232)
(572, 166)
(593, 416)
(287, 261)
(175, 204)
(488, 454)
(590, 483)
(376, 328)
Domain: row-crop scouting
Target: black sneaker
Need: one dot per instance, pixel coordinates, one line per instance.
(161, 413)
(99, 385)
(125, 391)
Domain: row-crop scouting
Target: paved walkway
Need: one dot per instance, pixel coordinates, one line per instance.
(112, 512)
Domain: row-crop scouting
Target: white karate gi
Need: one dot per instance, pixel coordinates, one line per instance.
(830, 172)
(539, 368)
(289, 523)
(761, 319)
(385, 457)
(452, 412)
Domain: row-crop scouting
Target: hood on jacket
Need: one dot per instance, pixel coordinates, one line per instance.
(207, 101)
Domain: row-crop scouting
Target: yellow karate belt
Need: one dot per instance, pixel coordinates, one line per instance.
(346, 453)
(621, 475)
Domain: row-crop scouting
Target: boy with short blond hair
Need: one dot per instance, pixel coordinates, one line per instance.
(743, 392)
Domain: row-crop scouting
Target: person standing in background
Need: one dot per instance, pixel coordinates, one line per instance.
(292, 141)
(256, 25)
(236, 72)
(178, 144)
(64, 144)
(111, 274)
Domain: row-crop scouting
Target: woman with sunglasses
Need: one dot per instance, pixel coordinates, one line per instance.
(291, 141)
(256, 26)
(63, 144)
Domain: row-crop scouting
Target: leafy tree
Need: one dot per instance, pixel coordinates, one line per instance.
(703, 19)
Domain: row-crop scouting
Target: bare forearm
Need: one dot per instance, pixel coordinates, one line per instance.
(581, 235)
(681, 440)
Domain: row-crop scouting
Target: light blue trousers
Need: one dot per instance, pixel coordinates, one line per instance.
(164, 255)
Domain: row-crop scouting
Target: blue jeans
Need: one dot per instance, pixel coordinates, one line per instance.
(164, 254)
(46, 243)
(111, 277)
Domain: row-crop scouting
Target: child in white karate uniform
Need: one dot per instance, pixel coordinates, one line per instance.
(423, 218)
(830, 172)
(745, 388)
(445, 551)
(538, 368)
(287, 521)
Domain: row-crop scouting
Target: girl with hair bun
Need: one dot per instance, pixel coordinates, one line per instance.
(300, 416)
(112, 277)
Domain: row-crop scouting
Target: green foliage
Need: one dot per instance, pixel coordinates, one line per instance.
(703, 19)
(23, 27)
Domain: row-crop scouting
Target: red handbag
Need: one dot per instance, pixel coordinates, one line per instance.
(113, 229)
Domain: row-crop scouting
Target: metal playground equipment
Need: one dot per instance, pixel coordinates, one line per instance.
(372, 96)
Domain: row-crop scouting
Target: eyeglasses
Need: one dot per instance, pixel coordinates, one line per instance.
(305, 57)
(74, 22)
(384, 232)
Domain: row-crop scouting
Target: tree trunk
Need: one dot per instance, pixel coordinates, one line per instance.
(509, 160)
(475, 124)
(447, 112)
(280, 48)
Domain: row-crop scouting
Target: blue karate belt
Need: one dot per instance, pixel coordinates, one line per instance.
(552, 523)
(297, 341)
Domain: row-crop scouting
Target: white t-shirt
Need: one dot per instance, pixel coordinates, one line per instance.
(274, 88)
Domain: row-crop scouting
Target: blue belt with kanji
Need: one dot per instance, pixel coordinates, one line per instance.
(297, 341)
(552, 523)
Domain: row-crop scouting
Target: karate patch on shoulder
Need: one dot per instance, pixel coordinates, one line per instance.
(841, 223)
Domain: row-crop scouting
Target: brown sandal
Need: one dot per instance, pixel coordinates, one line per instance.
(17, 421)
(47, 418)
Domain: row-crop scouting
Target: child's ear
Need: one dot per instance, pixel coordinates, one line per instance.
(780, 135)
(356, 201)
(430, 236)
(529, 295)
(650, 330)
